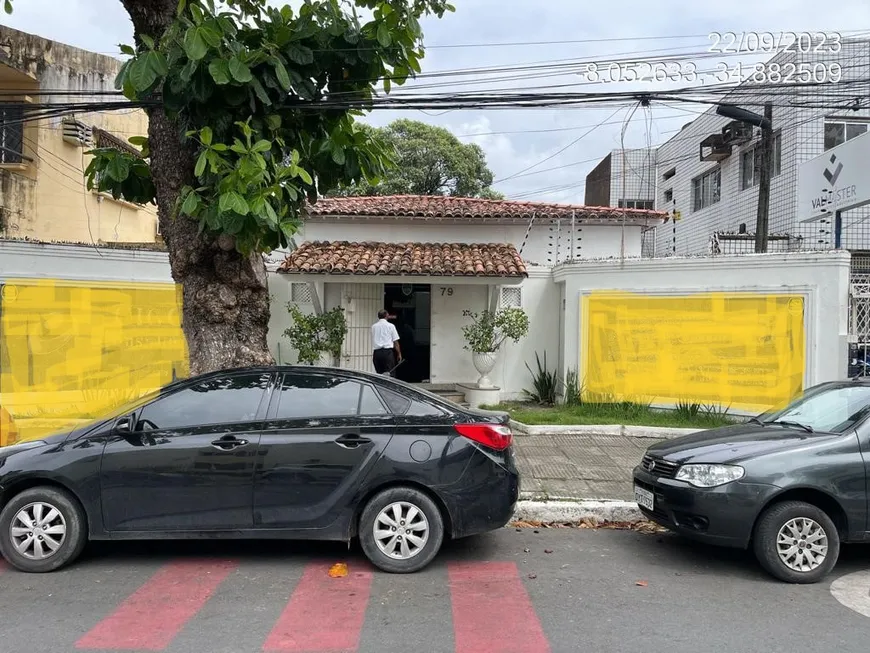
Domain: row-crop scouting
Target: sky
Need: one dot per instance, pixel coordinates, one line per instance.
(541, 154)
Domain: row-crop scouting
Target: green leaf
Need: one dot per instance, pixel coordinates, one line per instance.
(273, 121)
(240, 71)
(220, 71)
(281, 73)
(201, 163)
(271, 215)
(139, 141)
(303, 174)
(387, 84)
(7, 6)
(157, 62)
(211, 36)
(194, 44)
(182, 5)
(384, 37)
(190, 204)
(262, 146)
(300, 54)
(260, 91)
(126, 49)
(147, 40)
(118, 168)
(232, 201)
(414, 63)
(141, 74)
(188, 71)
(337, 156)
(288, 229)
(205, 135)
(219, 147)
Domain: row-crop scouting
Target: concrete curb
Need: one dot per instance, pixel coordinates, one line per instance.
(621, 430)
(577, 511)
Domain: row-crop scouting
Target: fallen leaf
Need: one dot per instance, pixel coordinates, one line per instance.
(526, 550)
(338, 570)
(548, 550)
(641, 583)
(533, 576)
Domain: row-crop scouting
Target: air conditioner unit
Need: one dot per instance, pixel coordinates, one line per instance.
(716, 148)
(77, 133)
(737, 133)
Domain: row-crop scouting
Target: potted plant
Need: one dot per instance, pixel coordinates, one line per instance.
(317, 338)
(486, 334)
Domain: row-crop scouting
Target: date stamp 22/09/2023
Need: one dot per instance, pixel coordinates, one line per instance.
(819, 43)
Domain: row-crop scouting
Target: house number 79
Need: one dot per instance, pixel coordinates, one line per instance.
(446, 291)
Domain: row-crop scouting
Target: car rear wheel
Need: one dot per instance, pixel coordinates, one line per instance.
(797, 542)
(401, 530)
(42, 529)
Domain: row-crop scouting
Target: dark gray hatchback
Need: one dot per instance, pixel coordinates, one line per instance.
(792, 484)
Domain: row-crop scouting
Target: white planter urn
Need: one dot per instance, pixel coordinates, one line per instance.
(483, 362)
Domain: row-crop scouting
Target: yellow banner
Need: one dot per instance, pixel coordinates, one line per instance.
(75, 350)
(738, 349)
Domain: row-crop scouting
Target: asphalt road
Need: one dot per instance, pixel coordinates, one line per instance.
(507, 592)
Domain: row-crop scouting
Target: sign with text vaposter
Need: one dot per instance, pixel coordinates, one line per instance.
(741, 350)
(835, 181)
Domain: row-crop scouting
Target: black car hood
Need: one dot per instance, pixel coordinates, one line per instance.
(734, 443)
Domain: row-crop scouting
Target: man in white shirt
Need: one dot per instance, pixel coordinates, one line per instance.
(385, 342)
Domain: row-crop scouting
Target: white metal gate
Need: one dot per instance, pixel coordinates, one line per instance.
(361, 303)
(859, 324)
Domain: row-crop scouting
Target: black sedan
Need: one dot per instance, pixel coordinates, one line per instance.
(792, 484)
(289, 452)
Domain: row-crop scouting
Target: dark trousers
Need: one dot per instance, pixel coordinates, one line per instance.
(384, 360)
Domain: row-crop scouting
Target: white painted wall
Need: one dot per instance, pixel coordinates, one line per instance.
(548, 244)
(822, 277)
(541, 303)
(450, 362)
(81, 262)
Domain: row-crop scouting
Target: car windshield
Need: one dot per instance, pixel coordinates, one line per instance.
(831, 409)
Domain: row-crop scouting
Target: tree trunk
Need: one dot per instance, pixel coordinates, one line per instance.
(225, 315)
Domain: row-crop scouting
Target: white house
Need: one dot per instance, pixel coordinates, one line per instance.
(430, 258)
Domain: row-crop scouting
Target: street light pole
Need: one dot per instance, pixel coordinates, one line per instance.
(765, 170)
(765, 163)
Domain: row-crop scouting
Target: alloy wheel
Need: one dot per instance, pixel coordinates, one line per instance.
(38, 530)
(802, 544)
(401, 530)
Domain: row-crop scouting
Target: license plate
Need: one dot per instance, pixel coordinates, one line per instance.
(644, 498)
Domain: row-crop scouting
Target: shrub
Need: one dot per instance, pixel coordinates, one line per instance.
(488, 330)
(545, 384)
(314, 335)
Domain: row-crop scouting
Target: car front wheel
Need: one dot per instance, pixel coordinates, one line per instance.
(42, 529)
(401, 530)
(797, 542)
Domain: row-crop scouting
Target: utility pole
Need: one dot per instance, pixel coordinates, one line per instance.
(764, 163)
(765, 171)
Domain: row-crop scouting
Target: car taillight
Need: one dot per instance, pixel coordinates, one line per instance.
(494, 436)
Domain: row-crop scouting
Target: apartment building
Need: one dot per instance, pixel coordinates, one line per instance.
(43, 155)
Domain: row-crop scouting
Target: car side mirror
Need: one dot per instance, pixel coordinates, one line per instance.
(124, 425)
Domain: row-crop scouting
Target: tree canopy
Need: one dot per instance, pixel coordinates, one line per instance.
(251, 112)
(429, 160)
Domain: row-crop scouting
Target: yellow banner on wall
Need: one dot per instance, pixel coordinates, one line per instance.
(75, 350)
(738, 349)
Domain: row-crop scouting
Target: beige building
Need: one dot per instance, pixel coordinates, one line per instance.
(43, 194)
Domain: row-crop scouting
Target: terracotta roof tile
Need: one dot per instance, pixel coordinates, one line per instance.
(406, 259)
(437, 206)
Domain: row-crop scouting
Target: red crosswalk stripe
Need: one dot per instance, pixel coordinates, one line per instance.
(153, 615)
(323, 614)
(492, 612)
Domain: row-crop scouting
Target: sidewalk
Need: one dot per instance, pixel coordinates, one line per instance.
(578, 466)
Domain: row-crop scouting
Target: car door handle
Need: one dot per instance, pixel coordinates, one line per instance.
(228, 443)
(351, 441)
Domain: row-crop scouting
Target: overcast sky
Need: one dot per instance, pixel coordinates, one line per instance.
(601, 30)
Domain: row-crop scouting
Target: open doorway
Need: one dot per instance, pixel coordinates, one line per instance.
(411, 308)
